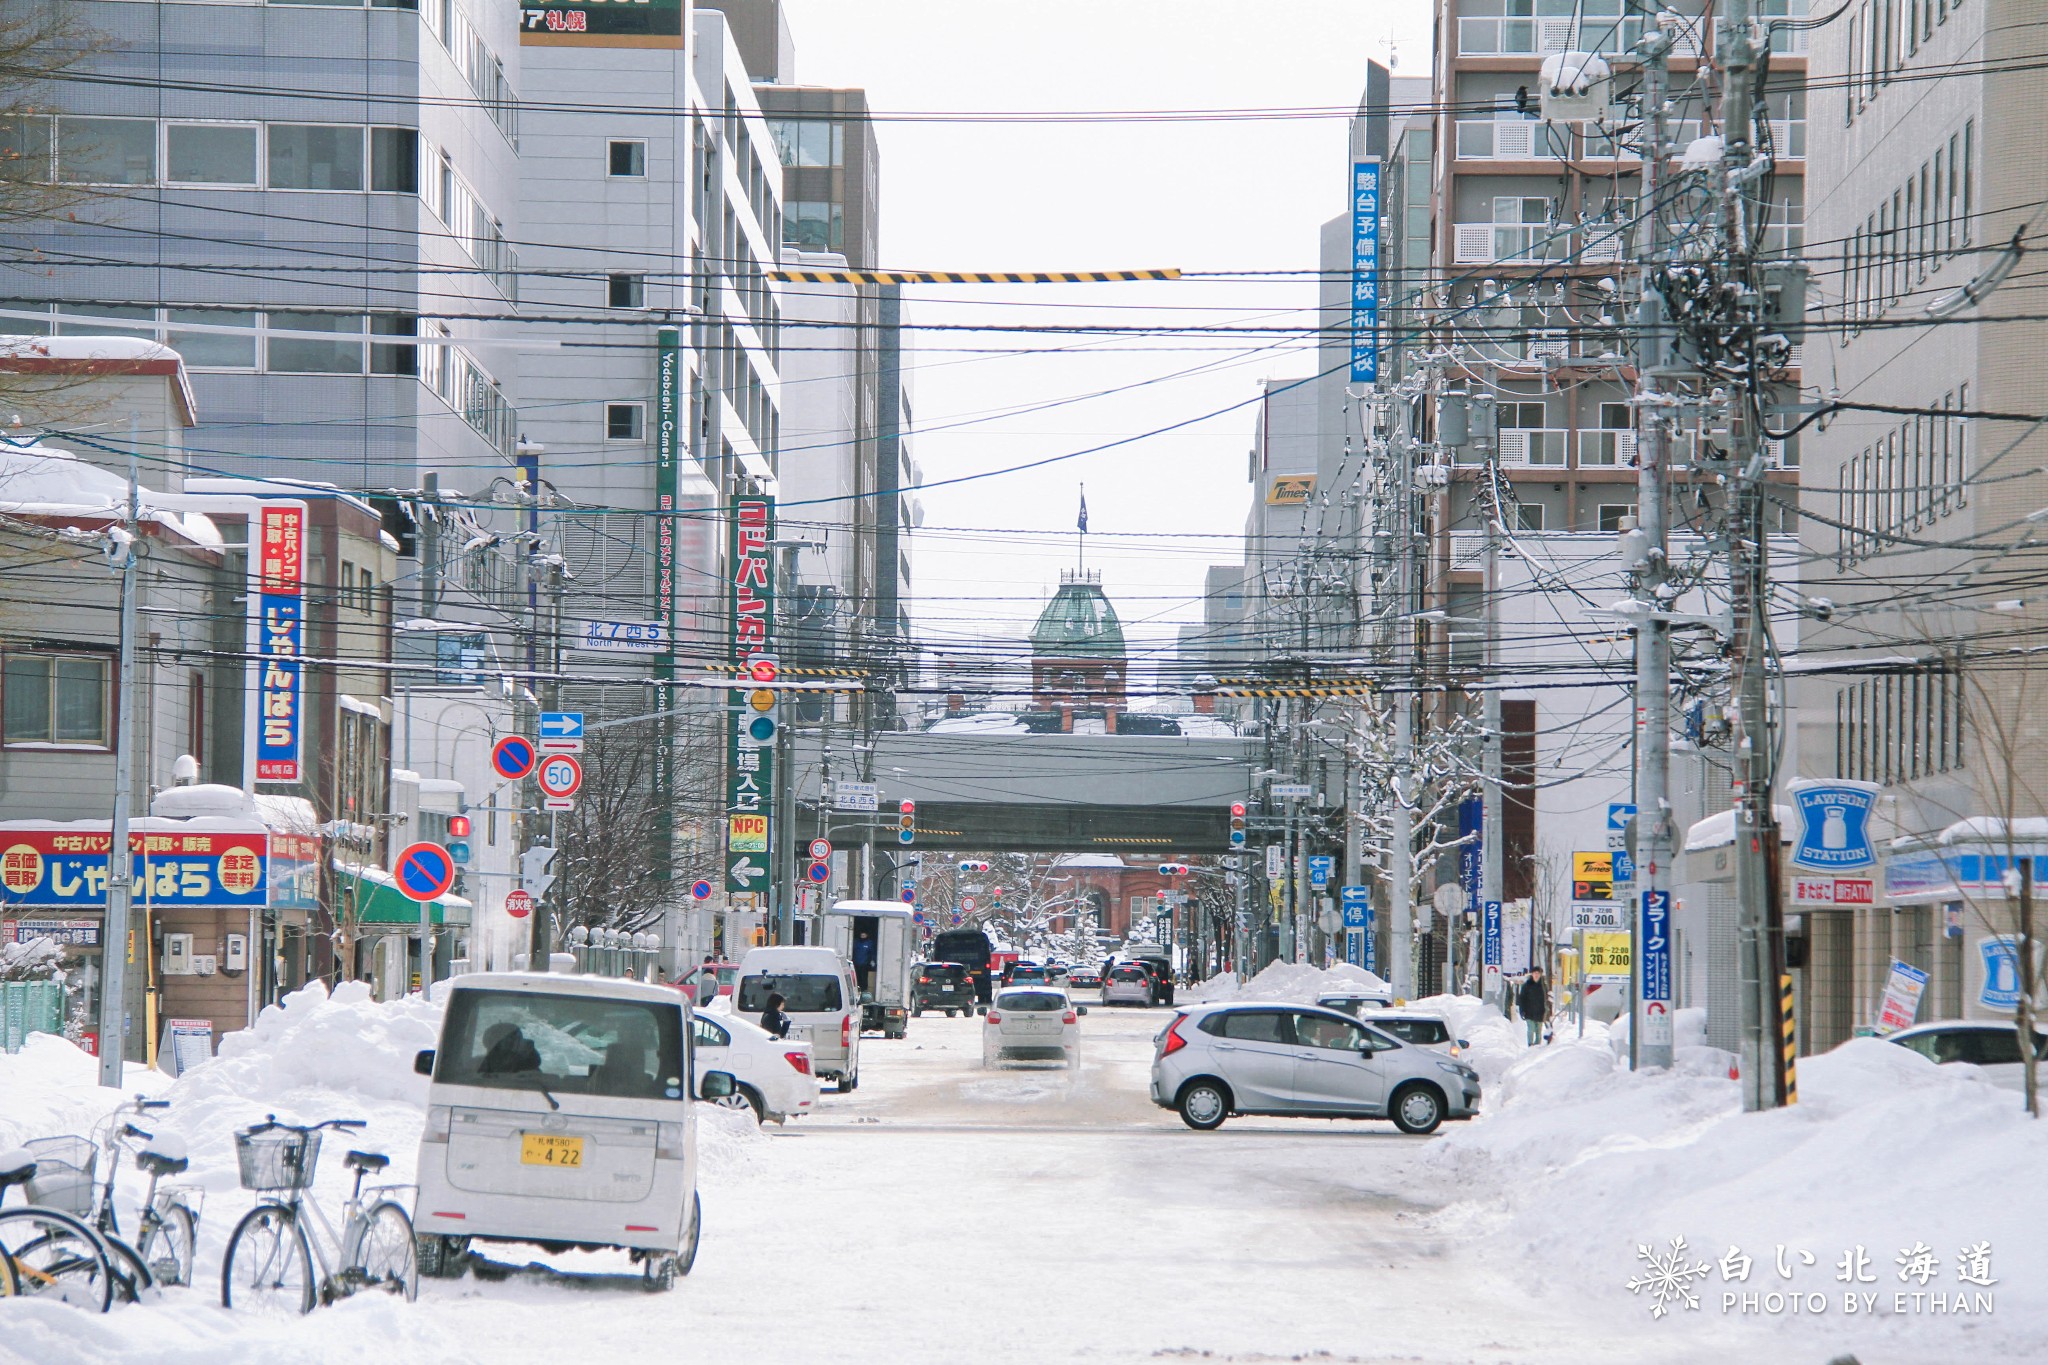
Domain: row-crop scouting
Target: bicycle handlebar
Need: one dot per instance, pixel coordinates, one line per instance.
(270, 1124)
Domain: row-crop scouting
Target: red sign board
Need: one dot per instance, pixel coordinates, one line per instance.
(1834, 891)
(518, 904)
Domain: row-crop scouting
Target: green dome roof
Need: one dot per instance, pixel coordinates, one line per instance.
(1079, 622)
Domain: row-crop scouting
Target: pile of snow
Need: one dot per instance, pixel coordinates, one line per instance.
(1293, 982)
(51, 1087)
(1578, 1162)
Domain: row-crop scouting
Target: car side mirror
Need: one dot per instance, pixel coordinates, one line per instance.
(1080, 1009)
(867, 997)
(423, 1061)
(1463, 1044)
(717, 1086)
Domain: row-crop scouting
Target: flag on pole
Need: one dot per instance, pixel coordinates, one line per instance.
(1082, 524)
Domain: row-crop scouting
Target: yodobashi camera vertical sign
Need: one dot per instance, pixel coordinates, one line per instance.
(280, 637)
(601, 23)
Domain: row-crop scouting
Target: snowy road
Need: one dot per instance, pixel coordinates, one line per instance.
(944, 1213)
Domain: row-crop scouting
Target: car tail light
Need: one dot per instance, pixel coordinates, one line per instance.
(670, 1141)
(1173, 1042)
(438, 1118)
(924, 981)
(800, 1060)
(993, 1017)
(1070, 1018)
(846, 1031)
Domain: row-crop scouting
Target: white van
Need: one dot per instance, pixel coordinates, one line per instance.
(560, 1114)
(820, 997)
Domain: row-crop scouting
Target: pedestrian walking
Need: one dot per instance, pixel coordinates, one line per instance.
(1532, 1002)
(773, 1019)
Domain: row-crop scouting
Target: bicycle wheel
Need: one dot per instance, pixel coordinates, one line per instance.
(167, 1244)
(380, 1251)
(133, 1281)
(268, 1268)
(47, 1252)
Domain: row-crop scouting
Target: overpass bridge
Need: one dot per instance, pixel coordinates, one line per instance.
(1054, 793)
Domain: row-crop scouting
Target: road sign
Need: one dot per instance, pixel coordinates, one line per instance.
(1607, 959)
(821, 849)
(424, 871)
(561, 732)
(910, 898)
(746, 867)
(1320, 869)
(1624, 865)
(513, 757)
(1619, 813)
(631, 637)
(518, 904)
(560, 776)
(700, 890)
(1357, 906)
(1290, 791)
(819, 872)
(855, 796)
(969, 904)
(1598, 915)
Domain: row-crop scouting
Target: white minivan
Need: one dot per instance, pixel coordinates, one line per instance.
(560, 1114)
(819, 996)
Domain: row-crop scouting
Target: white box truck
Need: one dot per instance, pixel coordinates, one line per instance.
(879, 939)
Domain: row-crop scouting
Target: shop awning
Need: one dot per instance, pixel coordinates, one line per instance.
(376, 900)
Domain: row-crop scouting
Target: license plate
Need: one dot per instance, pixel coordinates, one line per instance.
(550, 1149)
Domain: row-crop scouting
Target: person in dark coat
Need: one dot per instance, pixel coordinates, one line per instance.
(773, 1019)
(1532, 1002)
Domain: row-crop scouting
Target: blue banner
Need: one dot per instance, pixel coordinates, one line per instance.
(278, 690)
(1471, 854)
(1656, 946)
(1365, 271)
(1490, 932)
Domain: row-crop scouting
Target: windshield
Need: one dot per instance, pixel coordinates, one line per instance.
(1026, 1002)
(1415, 1030)
(806, 994)
(563, 1044)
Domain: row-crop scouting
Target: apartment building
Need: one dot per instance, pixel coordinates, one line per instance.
(1919, 521)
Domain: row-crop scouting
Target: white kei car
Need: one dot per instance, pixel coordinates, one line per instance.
(771, 1076)
(1032, 1024)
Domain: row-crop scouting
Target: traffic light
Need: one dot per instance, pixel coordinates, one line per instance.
(972, 865)
(458, 826)
(534, 876)
(1173, 869)
(906, 825)
(458, 839)
(758, 718)
(1237, 824)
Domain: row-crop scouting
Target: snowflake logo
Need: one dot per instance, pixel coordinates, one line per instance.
(1669, 1277)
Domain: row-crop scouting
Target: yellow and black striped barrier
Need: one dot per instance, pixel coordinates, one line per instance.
(1311, 690)
(792, 275)
(1789, 1037)
(797, 672)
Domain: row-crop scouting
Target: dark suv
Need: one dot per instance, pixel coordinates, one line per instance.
(944, 986)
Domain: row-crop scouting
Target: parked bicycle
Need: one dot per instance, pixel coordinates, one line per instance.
(168, 1224)
(48, 1251)
(270, 1261)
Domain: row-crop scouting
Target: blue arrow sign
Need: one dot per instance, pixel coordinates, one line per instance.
(1619, 813)
(1319, 870)
(1357, 909)
(561, 724)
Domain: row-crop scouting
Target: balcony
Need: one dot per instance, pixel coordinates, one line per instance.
(1542, 447)
(1607, 449)
(1510, 139)
(1508, 243)
(1494, 36)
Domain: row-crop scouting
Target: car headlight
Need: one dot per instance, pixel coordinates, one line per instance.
(1458, 1069)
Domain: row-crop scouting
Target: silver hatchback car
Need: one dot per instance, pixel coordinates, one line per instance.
(1302, 1061)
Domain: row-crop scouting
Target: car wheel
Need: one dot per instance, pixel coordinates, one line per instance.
(742, 1098)
(917, 1013)
(951, 1013)
(1417, 1109)
(1203, 1106)
(843, 1084)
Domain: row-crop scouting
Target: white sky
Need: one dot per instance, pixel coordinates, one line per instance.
(1209, 195)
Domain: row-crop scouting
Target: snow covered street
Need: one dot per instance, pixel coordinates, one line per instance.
(945, 1213)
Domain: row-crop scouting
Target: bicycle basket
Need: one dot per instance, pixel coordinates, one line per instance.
(63, 1178)
(277, 1159)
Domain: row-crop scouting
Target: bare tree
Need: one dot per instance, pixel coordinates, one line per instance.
(615, 880)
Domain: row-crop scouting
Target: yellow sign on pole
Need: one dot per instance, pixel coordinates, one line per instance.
(1592, 876)
(1607, 958)
(748, 834)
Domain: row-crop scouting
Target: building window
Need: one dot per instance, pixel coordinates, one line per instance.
(625, 421)
(626, 159)
(317, 355)
(316, 156)
(625, 291)
(809, 142)
(1613, 514)
(99, 328)
(395, 160)
(390, 358)
(813, 225)
(1529, 516)
(211, 154)
(106, 151)
(56, 699)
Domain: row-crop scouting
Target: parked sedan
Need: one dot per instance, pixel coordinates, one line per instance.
(1128, 983)
(1031, 1024)
(771, 1076)
(1302, 1061)
(1992, 1047)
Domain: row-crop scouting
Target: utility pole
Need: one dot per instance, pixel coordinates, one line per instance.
(1760, 937)
(537, 958)
(1493, 803)
(1652, 1038)
(120, 865)
(1401, 875)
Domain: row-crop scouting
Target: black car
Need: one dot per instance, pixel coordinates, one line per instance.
(970, 948)
(944, 986)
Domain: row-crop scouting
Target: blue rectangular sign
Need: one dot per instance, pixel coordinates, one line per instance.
(279, 688)
(1471, 853)
(1319, 869)
(1357, 909)
(561, 725)
(1491, 933)
(1365, 271)
(1656, 946)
